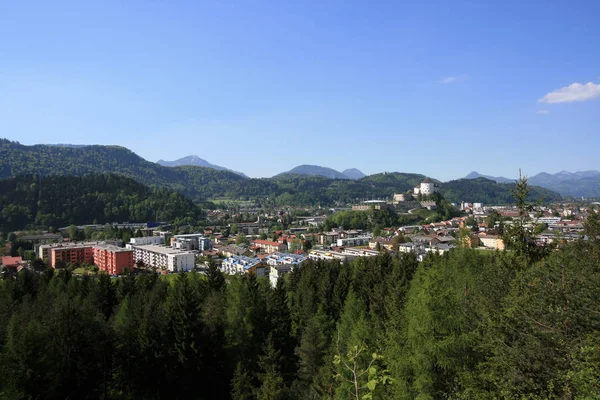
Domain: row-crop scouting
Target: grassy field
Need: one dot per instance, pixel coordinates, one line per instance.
(171, 277)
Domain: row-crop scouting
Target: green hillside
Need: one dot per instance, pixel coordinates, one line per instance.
(44, 160)
(30, 201)
(487, 191)
(201, 183)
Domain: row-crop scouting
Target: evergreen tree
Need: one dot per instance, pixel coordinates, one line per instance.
(242, 388)
(272, 385)
(185, 323)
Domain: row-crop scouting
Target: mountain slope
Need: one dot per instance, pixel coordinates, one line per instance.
(201, 183)
(353, 173)
(498, 179)
(575, 184)
(196, 182)
(195, 161)
(315, 170)
(29, 201)
(571, 184)
(483, 190)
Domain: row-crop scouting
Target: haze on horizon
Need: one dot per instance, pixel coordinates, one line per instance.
(440, 89)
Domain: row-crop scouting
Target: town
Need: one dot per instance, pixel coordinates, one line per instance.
(275, 243)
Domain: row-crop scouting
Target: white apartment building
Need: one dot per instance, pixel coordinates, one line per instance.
(239, 265)
(354, 241)
(278, 271)
(141, 241)
(192, 241)
(283, 263)
(164, 257)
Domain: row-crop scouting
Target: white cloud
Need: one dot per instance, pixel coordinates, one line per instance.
(542, 112)
(573, 92)
(449, 79)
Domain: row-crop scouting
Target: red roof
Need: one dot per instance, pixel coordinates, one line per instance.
(11, 260)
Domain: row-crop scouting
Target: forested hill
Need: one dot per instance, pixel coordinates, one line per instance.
(204, 183)
(28, 201)
(466, 325)
(44, 160)
(486, 191)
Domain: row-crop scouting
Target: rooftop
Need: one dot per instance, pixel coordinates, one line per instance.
(266, 242)
(111, 247)
(11, 260)
(246, 262)
(287, 258)
(161, 249)
(190, 235)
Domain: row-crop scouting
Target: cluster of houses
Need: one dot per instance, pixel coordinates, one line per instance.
(287, 251)
(274, 265)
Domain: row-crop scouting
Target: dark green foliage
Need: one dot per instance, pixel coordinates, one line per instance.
(489, 192)
(466, 325)
(29, 201)
(204, 183)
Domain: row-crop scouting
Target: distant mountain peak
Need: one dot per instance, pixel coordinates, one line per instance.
(497, 179)
(353, 173)
(196, 161)
(316, 170)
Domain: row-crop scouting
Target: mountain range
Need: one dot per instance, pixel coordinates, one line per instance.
(201, 183)
(572, 184)
(196, 161)
(310, 170)
(315, 170)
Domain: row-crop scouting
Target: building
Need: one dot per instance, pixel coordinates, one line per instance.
(360, 252)
(268, 246)
(43, 251)
(277, 272)
(285, 259)
(354, 241)
(249, 228)
(330, 255)
(411, 247)
(281, 264)
(332, 237)
(233, 250)
(76, 254)
(164, 257)
(192, 241)
(12, 264)
(383, 244)
(401, 197)
(492, 242)
(239, 265)
(43, 238)
(140, 241)
(439, 248)
(107, 257)
(427, 187)
(112, 259)
(371, 205)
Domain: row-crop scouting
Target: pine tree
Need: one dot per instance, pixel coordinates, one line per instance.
(103, 295)
(242, 388)
(186, 328)
(272, 385)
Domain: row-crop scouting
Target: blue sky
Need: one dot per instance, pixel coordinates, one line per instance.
(439, 88)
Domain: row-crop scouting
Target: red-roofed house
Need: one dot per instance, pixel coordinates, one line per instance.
(12, 263)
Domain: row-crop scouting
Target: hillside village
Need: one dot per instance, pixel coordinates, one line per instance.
(274, 243)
